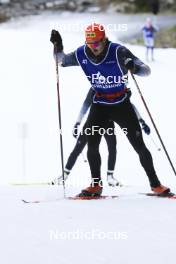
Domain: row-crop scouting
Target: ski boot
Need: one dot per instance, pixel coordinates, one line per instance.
(112, 181)
(161, 190)
(59, 180)
(91, 191)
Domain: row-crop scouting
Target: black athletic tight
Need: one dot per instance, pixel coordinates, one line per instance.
(82, 141)
(124, 115)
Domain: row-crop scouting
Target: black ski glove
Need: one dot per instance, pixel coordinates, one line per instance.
(145, 127)
(129, 64)
(56, 39)
(75, 129)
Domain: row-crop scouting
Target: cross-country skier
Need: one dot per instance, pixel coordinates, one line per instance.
(149, 38)
(109, 137)
(106, 66)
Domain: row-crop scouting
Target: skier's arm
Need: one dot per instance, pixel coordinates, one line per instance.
(128, 61)
(137, 112)
(144, 126)
(85, 106)
(69, 60)
(64, 60)
(155, 29)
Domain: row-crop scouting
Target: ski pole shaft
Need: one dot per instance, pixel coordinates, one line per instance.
(154, 125)
(155, 143)
(83, 156)
(60, 122)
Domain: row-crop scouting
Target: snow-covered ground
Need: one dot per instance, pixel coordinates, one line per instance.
(131, 229)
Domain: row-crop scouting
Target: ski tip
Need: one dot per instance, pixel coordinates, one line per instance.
(165, 195)
(24, 201)
(28, 202)
(92, 198)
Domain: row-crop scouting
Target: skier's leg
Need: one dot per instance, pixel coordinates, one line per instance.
(146, 53)
(95, 121)
(135, 137)
(128, 119)
(111, 141)
(80, 144)
(152, 48)
(152, 53)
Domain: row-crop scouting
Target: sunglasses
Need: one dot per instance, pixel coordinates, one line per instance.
(94, 44)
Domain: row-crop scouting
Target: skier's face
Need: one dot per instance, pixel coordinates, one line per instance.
(96, 46)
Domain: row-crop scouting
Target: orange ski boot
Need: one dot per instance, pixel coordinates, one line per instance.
(91, 191)
(161, 190)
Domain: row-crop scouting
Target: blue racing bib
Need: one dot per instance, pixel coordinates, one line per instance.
(105, 77)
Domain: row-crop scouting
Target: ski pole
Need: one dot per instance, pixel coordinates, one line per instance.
(154, 125)
(83, 156)
(60, 122)
(158, 148)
